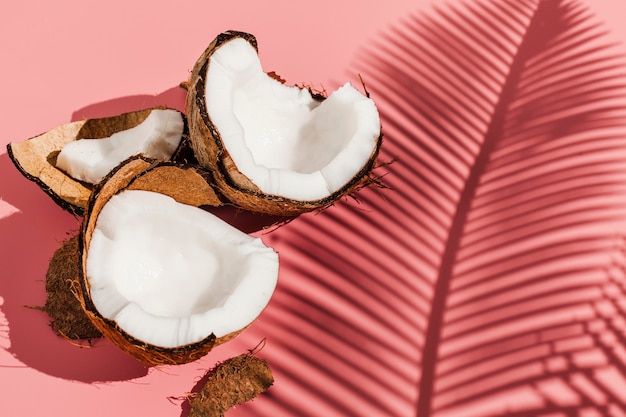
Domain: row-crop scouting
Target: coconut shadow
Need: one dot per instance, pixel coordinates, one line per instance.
(29, 238)
(173, 98)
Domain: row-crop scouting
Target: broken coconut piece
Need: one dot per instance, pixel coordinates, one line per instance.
(90, 160)
(68, 319)
(37, 158)
(235, 381)
(163, 279)
(275, 148)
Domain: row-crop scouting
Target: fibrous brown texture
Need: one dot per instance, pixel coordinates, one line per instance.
(68, 319)
(232, 382)
(187, 184)
(35, 158)
(210, 151)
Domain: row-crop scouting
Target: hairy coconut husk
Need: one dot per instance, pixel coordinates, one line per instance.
(210, 151)
(68, 319)
(188, 184)
(36, 157)
(235, 381)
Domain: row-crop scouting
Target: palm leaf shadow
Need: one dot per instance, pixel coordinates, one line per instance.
(491, 281)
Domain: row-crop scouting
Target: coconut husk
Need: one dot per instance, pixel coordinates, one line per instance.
(188, 185)
(235, 381)
(211, 153)
(36, 157)
(68, 319)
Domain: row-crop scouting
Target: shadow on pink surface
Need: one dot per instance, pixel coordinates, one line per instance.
(508, 123)
(173, 98)
(29, 238)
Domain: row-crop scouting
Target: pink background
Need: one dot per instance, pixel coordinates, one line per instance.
(67, 60)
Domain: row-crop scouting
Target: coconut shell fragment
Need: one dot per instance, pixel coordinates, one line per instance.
(235, 381)
(68, 319)
(36, 157)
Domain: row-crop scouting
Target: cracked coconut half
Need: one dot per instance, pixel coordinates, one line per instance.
(162, 278)
(67, 161)
(275, 148)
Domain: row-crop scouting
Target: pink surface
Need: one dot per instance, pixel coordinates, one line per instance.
(532, 317)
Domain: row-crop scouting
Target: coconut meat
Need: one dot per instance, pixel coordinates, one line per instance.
(280, 137)
(171, 274)
(90, 160)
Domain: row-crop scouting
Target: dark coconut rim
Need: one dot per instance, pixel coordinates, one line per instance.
(126, 174)
(287, 206)
(96, 128)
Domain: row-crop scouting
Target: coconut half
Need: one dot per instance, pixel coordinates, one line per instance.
(275, 148)
(162, 278)
(68, 160)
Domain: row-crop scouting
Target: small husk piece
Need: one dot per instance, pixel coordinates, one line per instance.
(68, 319)
(274, 148)
(36, 158)
(235, 381)
(164, 305)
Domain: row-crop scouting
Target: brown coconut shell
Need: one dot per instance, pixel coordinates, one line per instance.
(232, 382)
(67, 318)
(188, 184)
(211, 153)
(36, 157)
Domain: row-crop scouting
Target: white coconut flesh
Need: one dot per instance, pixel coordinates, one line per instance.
(90, 160)
(171, 274)
(285, 141)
